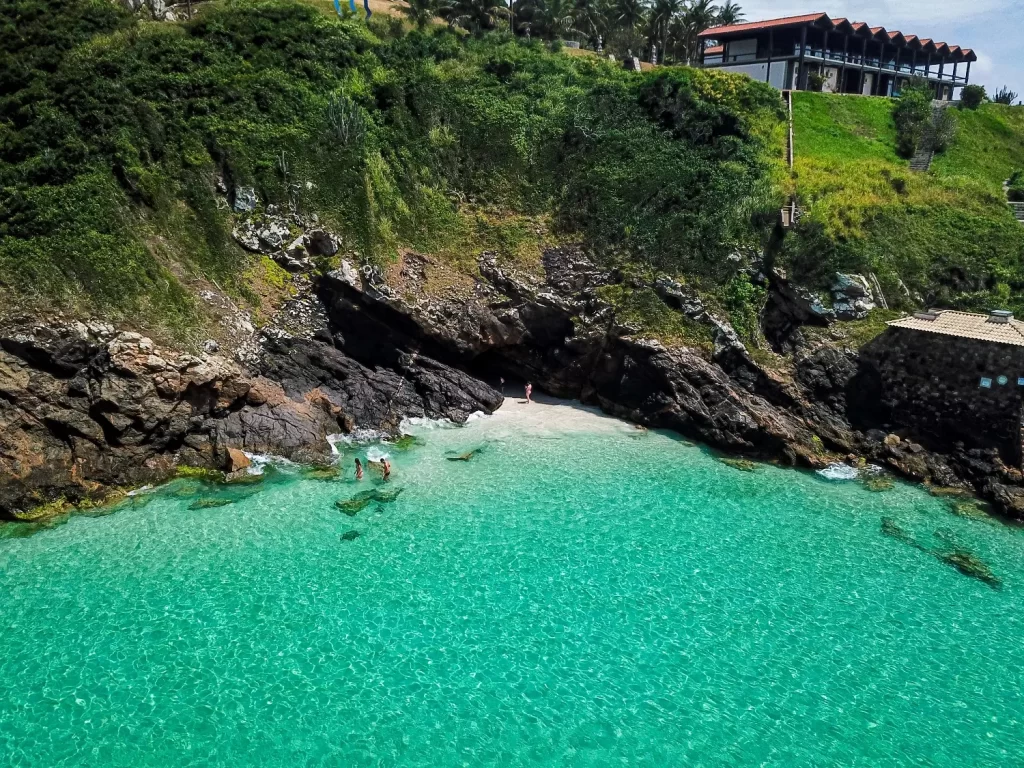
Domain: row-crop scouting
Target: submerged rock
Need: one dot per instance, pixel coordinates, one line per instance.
(970, 565)
(970, 509)
(210, 503)
(363, 499)
(329, 472)
(744, 465)
(878, 483)
(350, 535)
(353, 506)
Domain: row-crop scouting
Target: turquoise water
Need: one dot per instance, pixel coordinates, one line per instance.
(591, 597)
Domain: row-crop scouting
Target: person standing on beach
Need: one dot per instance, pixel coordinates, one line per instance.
(359, 469)
(529, 392)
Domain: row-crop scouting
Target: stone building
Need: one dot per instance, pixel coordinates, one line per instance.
(953, 377)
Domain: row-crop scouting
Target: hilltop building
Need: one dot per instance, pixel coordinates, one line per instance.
(954, 377)
(851, 56)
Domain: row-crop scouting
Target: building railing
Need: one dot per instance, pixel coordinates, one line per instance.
(850, 58)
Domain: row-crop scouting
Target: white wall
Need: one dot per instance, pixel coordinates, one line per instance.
(831, 84)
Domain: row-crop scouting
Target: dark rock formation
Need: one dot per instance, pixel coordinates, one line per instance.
(82, 410)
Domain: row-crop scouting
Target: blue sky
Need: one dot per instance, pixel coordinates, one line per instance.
(993, 28)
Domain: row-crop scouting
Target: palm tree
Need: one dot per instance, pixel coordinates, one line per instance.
(477, 16)
(730, 13)
(697, 16)
(550, 18)
(662, 14)
(628, 14)
(421, 12)
(591, 17)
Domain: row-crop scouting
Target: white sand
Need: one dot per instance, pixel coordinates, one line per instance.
(548, 416)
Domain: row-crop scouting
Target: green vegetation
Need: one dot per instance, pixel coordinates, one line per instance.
(972, 96)
(114, 132)
(945, 237)
(1015, 187)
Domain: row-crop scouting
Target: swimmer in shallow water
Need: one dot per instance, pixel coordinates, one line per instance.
(386, 466)
(359, 469)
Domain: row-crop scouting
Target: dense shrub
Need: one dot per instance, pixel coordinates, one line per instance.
(114, 131)
(972, 96)
(944, 130)
(912, 114)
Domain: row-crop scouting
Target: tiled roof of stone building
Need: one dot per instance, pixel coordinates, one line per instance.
(996, 327)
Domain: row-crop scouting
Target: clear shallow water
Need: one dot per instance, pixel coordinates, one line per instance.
(591, 598)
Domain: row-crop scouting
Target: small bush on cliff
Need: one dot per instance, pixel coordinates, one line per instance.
(912, 114)
(972, 96)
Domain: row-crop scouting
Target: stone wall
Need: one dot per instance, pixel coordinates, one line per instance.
(933, 385)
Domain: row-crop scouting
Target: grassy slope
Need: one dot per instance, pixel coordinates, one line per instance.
(947, 234)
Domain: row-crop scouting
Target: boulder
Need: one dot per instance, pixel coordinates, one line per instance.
(319, 242)
(237, 461)
(852, 298)
(244, 200)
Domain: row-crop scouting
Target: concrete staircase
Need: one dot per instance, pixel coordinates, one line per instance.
(922, 159)
(1018, 211)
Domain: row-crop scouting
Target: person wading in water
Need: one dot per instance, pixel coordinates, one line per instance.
(359, 470)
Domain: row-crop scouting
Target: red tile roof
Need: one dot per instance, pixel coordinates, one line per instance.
(751, 26)
(730, 30)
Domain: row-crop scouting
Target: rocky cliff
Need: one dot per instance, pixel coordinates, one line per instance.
(84, 408)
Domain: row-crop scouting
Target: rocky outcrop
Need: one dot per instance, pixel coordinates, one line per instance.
(84, 409)
(557, 333)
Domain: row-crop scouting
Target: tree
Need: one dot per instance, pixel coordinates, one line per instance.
(730, 13)
(695, 18)
(591, 17)
(662, 15)
(477, 16)
(629, 14)
(972, 96)
(912, 114)
(550, 18)
(1005, 96)
(421, 12)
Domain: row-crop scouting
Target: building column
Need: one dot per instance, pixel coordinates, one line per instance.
(863, 66)
(801, 76)
(878, 79)
(913, 64)
(967, 77)
(846, 56)
(771, 44)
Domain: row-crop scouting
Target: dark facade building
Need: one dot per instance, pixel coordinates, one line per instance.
(954, 377)
(850, 56)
